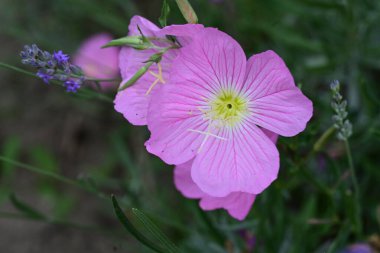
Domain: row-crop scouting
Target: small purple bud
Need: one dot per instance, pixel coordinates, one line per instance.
(44, 76)
(60, 57)
(23, 55)
(51, 64)
(72, 86)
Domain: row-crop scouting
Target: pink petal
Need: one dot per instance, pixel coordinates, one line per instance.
(247, 161)
(184, 33)
(272, 136)
(213, 61)
(277, 104)
(95, 61)
(237, 204)
(172, 116)
(184, 183)
(146, 27)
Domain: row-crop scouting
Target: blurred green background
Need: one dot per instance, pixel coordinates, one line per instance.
(320, 40)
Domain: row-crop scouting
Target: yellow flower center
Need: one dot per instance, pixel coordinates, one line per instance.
(223, 110)
(227, 108)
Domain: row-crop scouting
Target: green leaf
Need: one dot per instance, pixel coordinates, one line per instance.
(153, 229)
(26, 209)
(143, 229)
(164, 13)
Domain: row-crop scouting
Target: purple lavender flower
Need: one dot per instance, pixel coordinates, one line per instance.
(61, 58)
(46, 77)
(72, 85)
(54, 66)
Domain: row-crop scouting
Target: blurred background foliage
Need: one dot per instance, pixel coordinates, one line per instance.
(308, 209)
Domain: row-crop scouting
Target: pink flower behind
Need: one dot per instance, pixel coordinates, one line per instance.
(213, 110)
(237, 204)
(133, 101)
(97, 62)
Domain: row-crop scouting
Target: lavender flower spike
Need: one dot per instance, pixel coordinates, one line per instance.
(54, 66)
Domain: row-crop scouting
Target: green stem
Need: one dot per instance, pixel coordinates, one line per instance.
(102, 80)
(81, 93)
(92, 94)
(320, 143)
(357, 218)
(50, 174)
(9, 215)
(4, 65)
(317, 147)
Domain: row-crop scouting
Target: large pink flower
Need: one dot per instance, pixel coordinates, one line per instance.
(237, 204)
(212, 108)
(133, 101)
(97, 62)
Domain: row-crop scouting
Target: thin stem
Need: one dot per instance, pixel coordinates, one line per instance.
(358, 225)
(50, 174)
(320, 143)
(94, 79)
(85, 92)
(4, 65)
(318, 146)
(94, 94)
(102, 80)
(9, 215)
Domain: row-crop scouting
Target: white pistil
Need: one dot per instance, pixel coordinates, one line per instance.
(207, 134)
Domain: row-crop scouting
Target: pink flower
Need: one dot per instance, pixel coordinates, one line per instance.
(237, 204)
(212, 108)
(133, 102)
(97, 62)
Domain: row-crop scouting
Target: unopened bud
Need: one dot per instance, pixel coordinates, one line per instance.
(187, 11)
(136, 42)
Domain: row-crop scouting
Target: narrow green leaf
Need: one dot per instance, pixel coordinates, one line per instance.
(164, 13)
(26, 209)
(131, 228)
(154, 230)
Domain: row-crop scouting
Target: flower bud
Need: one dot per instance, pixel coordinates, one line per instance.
(187, 11)
(136, 42)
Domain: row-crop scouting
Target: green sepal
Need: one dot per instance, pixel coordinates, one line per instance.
(137, 42)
